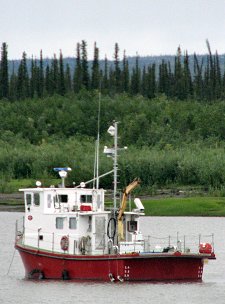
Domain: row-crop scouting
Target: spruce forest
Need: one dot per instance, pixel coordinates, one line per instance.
(171, 116)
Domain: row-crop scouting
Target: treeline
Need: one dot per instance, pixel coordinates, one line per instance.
(206, 83)
(159, 122)
(169, 142)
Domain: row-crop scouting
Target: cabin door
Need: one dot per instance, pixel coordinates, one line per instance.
(99, 233)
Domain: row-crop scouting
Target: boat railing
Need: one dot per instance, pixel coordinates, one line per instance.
(19, 229)
(184, 243)
(85, 245)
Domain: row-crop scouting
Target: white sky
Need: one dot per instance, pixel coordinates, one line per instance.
(149, 27)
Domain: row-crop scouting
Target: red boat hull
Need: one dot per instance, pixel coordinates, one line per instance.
(129, 267)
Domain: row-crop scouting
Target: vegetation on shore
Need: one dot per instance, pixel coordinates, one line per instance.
(170, 143)
(189, 206)
(171, 206)
(171, 119)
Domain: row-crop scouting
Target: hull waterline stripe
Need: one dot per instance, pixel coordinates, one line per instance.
(112, 257)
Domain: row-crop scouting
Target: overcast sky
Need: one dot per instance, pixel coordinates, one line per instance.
(149, 27)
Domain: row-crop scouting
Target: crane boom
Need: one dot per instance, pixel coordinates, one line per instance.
(126, 192)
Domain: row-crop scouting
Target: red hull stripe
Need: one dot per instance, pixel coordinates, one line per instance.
(112, 257)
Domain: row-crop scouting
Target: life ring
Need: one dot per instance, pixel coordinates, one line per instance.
(111, 228)
(64, 243)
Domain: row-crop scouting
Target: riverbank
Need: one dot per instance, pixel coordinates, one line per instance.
(185, 206)
(11, 202)
(154, 206)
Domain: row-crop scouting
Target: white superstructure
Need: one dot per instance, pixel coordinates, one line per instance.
(74, 220)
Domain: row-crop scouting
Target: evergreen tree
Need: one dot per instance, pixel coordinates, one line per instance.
(171, 82)
(207, 84)
(210, 80)
(125, 74)
(144, 82)
(112, 82)
(105, 84)
(95, 79)
(218, 77)
(84, 64)
(77, 77)
(68, 81)
(48, 82)
(135, 86)
(117, 71)
(54, 75)
(41, 77)
(163, 82)
(23, 79)
(178, 76)
(151, 82)
(32, 78)
(198, 81)
(188, 88)
(13, 84)
(61, 83)
(4, 77)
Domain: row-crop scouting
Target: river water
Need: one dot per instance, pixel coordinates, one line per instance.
(15, 289)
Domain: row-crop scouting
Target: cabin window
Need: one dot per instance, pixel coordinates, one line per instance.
(56, 201)
(132, 226)
(49, 200)
(59, 222)
(86, 198)
(63, 198)
(73, 223)
(37, 199)
(28, 199)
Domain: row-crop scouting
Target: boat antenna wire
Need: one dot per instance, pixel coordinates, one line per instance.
(96, 165)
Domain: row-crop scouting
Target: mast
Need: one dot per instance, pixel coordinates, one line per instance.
(113, 152)
(98, 139)
(115, 166)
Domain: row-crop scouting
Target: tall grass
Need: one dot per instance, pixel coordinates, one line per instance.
(190, 165)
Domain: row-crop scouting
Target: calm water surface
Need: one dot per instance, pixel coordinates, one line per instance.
(15, 289)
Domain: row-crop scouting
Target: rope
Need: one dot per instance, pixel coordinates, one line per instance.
(11, 262)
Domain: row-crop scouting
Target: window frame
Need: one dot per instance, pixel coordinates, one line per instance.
(83, 198)
(58, 218)
(70, 226)
(35, 196)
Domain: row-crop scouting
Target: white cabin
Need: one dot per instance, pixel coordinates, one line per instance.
(74, 221)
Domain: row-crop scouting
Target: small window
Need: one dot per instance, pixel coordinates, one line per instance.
(59, 222)
(28, 199)
(49, 200)
(36, 199)
(63, 198)
(132, 226)
(86, 198)
(73, 223)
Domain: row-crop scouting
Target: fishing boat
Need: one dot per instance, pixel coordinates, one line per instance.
(70, 233)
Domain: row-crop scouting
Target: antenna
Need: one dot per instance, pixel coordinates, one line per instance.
(96, 163)
(98, 139)
(113, 152)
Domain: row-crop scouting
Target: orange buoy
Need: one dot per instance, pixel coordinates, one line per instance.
(205, 248)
